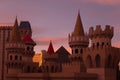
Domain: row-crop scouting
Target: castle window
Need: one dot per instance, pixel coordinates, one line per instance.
(28, 48)
(20, 57)
(80, 59)
(76, 51)
(47, 68)
(89, 61)
(102, 44)
(56, 69)
(32, 49)
(107, 43)
(28, 69)
(52, 69)
(97, 59)
(11, 57)
(93, 45)
(109, 61)
(16, 57)
(81, 51)
(97, 44)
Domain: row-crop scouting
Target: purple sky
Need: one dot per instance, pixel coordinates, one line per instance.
(55, 19)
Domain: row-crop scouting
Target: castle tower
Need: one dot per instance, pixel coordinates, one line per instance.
(101, 57)
(78, 39)
(101, 37)
(29, 48)
(25, 29)
(14, 52)
(5, 32)
(50, 63)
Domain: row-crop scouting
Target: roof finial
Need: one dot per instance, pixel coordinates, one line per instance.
(15, 32)
(78, 30)
(50, 48)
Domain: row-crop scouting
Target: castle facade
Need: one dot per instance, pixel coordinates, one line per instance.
(97, 62)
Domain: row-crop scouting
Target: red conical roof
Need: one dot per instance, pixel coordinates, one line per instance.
(27, 39)
(50, 49)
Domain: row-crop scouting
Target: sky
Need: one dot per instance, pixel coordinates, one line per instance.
(55, 19)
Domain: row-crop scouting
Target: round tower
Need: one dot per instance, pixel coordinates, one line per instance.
(14, 51)
(25, 29)
(78, 40)
(101, 37)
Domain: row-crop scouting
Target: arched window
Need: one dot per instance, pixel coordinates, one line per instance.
(93, 45)
(89, 61)
(76, 51)
(81, 51)
(16, 57)
(56, 68)
(28, 69)
(97, 59)
(97, 44)
(32, 49)
(33, 70)
(102, 44)
(28, 48)
(52, 69)
(47, 69)
(10, 57)
(80, 59)
(109, 61)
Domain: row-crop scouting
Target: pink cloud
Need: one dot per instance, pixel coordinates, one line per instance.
(43, 43)
(46, 40)
(116, 44)
(106, 2)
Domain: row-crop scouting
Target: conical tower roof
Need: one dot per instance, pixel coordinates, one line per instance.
(15, 32)
(78, 30)
(50, 49)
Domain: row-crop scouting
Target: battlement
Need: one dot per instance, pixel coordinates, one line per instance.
(6, 27)
(80, 40)
(73, 67)
(98, 32)
(12, 45)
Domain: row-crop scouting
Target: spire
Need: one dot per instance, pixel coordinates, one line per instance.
(50, 49)
(15, 32)
(78, 30)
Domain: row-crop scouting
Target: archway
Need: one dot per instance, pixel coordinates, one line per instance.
(89, 61)
(98, 60)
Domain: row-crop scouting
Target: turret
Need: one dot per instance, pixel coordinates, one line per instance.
(15, 51)
(25, 29)
(101, 37)
(78, 39)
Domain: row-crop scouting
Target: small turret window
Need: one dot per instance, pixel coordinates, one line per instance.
(28, 48)
(97, 44)
(16, 57)
(76, 51)
(81, 51)
(32, 49)
(102, 44)
(11, 57)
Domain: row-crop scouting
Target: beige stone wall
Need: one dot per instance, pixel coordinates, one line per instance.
(52, 76)
(104, 74)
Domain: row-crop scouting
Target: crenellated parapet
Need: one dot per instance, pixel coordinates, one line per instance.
(80, 40)
(15, 45)
(98, 32)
